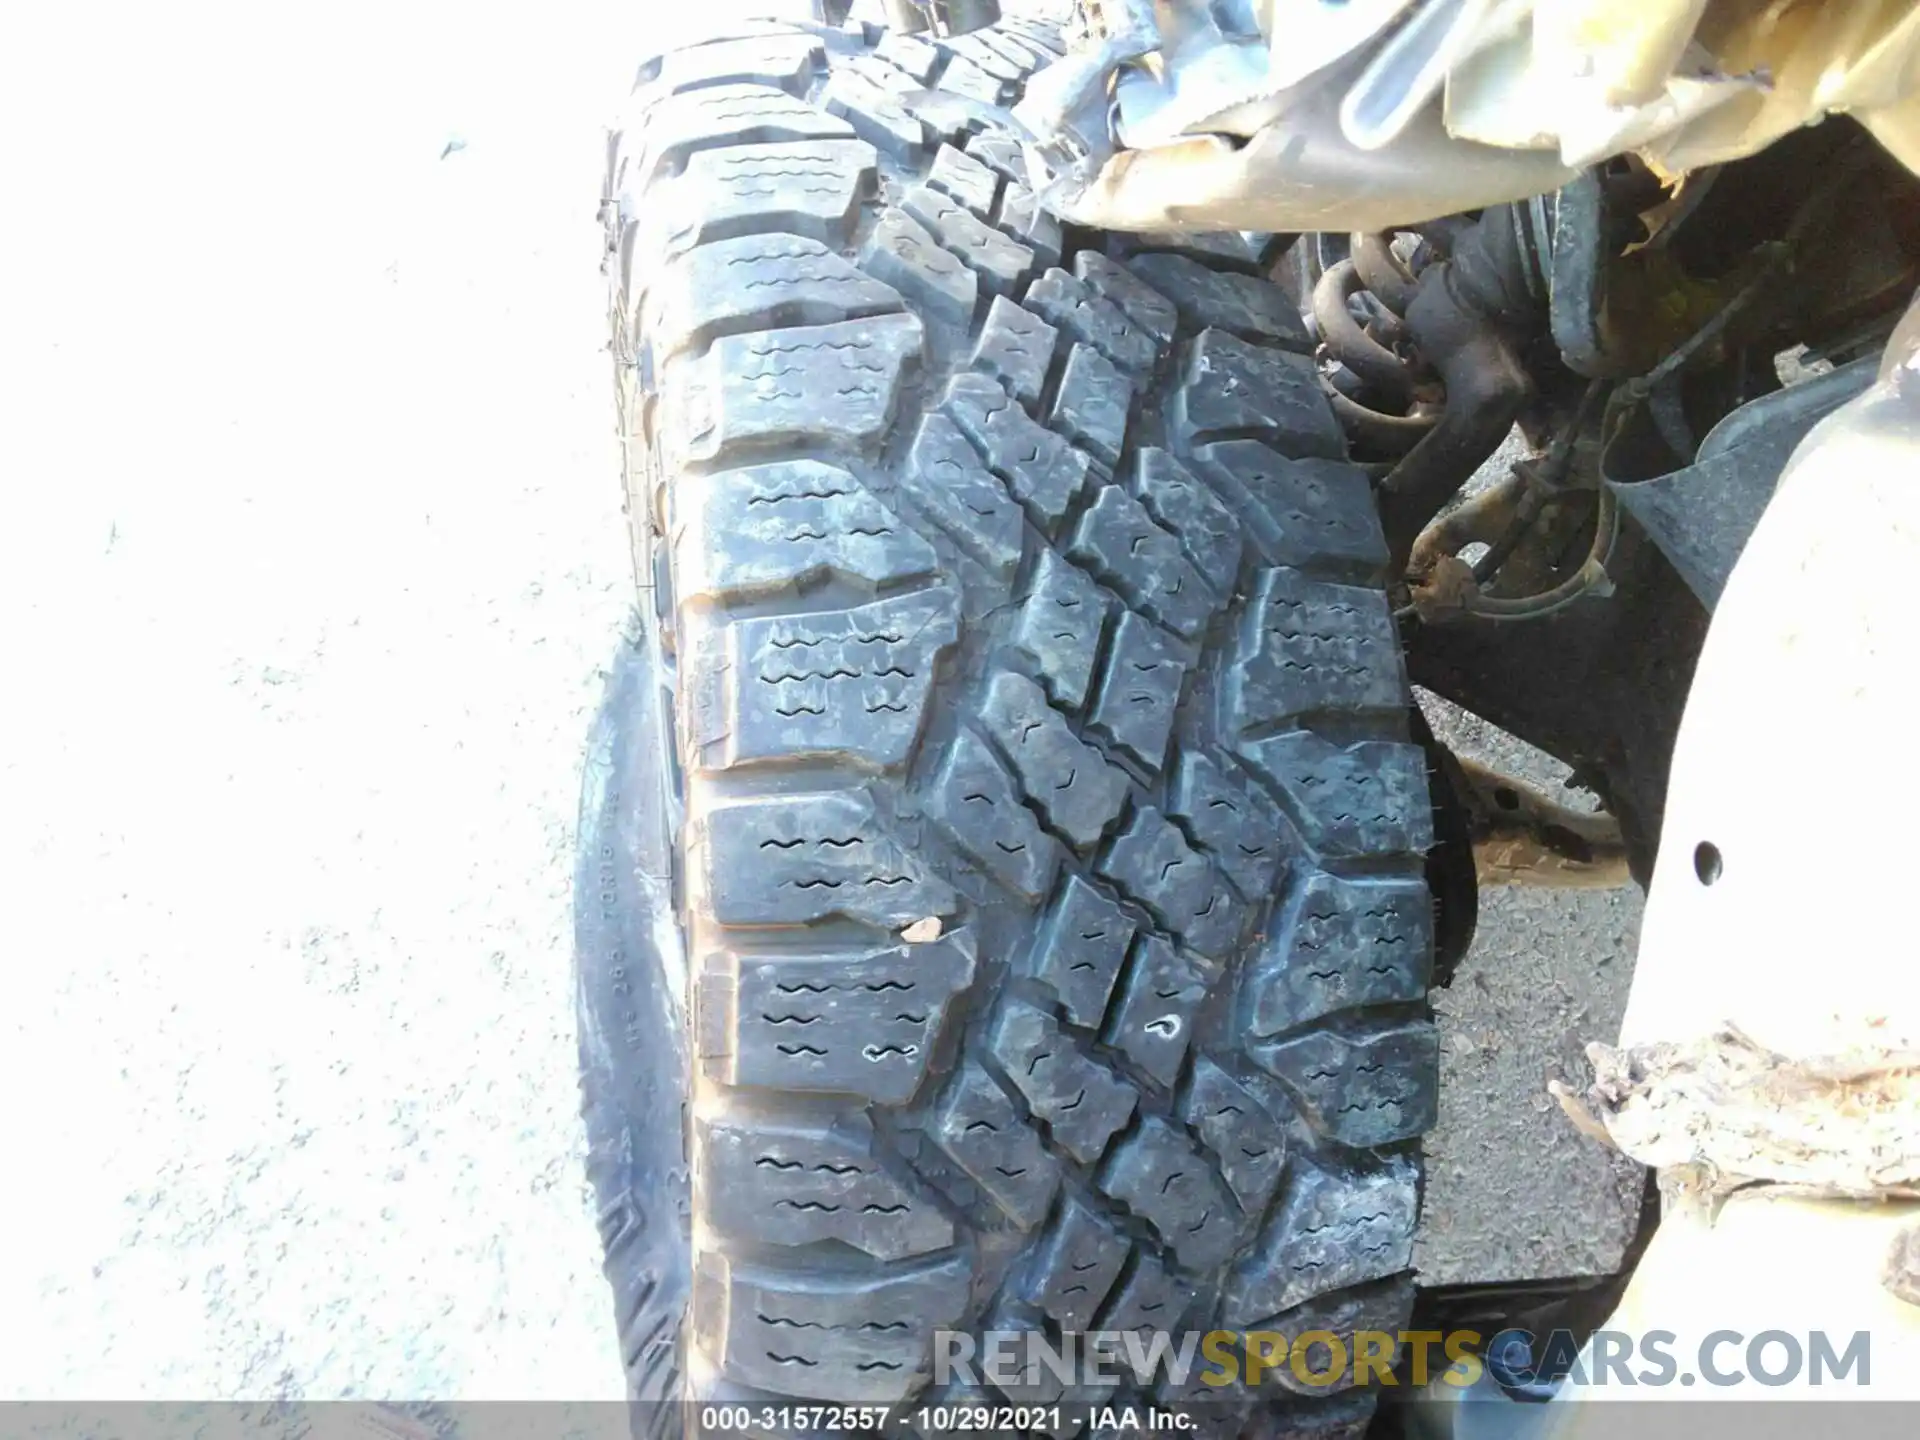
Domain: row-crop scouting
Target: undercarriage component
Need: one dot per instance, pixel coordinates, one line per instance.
(1523, 837)
(1377, 392)
(1701, 516)
(1444, 586)
(1683, 308)
(1815, 238)
(1584, 242)
(1468, 315)
(1374, 365)
(1600, 684)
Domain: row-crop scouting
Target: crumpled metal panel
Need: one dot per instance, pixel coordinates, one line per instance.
(1689, 83)
(1301, 174)
(1286, 115)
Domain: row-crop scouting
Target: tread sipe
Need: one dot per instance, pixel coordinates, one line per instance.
(1049, 863)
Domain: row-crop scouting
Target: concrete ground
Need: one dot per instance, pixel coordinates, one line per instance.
(313, 555)
(1514, 1192)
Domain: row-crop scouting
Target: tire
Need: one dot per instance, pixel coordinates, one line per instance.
(1039, 814)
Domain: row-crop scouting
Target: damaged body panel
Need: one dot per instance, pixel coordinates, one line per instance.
(1292, 115)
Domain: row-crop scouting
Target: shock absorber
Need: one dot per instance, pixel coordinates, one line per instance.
(1433, 381)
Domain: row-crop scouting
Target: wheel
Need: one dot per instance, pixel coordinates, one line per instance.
(1002, 869)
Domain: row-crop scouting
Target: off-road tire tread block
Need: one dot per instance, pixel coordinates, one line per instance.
(1011, 587)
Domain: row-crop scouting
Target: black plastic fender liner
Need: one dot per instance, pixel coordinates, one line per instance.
(1701, 516)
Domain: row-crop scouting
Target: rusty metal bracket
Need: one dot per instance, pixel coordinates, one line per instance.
(1522, 837)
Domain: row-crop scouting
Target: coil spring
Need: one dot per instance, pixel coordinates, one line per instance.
(1384, 393)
